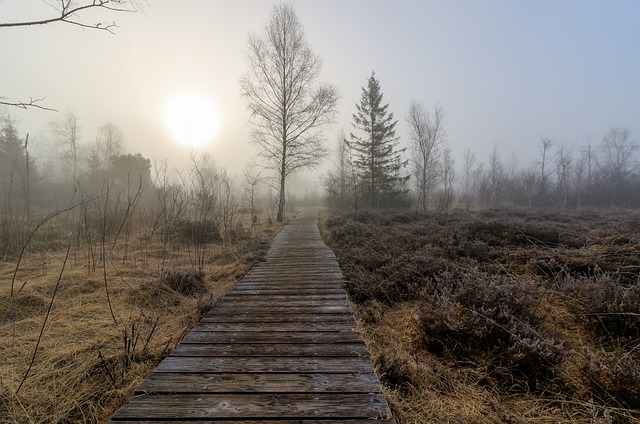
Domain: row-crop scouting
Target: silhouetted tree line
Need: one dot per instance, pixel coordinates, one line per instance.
(604, 175)
(28, 184)
(368, 169)
(107, 193)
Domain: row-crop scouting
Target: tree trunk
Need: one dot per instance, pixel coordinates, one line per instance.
(281, 199)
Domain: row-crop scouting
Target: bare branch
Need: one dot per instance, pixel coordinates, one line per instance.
(69, 12)
(32, 103)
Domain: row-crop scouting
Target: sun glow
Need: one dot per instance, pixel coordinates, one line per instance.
(192, 120)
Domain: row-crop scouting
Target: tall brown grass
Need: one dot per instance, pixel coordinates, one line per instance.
(94, 350)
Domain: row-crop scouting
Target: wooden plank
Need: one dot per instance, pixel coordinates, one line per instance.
(300, 277)
(276, 326)
(290, 421)
(286, 298)
(260, 383)
(257, 406)
(269, 317)
(262, 289)
(274, 349)
(284, 289)
(265, 302)
(290, 282)
(279, 309)
(282, 346)
(249, 364)
(260, 337)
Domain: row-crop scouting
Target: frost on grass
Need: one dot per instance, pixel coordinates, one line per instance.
(529, 314)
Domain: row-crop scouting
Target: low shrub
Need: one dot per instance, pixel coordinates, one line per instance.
(186, 282)
(205, 231)
(395, 372)
(612, 375)
(610, 308)
(491, 317)
(506, 300)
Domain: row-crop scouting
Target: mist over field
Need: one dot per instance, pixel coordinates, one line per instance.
(477, 163)
(500, 78)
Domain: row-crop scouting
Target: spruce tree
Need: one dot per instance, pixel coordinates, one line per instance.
(376, 153)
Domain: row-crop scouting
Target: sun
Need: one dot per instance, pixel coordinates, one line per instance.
(191, 120)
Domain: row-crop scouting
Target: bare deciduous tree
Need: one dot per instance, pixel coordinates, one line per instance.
(545, 145)
(288, 109)
(563, 168)
(109, 142)
(616, 160)
(469, 176)
(66, 131)
(427, 135)
(339, 184)
(251, 180)
(581, 174)
(448, 176)
(495, 175)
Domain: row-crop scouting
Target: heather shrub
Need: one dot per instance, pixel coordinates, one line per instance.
(610, 308)
(490, 318)
(507, 300)
(616, 376)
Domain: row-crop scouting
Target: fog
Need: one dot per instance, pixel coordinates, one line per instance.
(507, 74)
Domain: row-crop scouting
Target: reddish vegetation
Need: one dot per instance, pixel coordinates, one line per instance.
(499, 316)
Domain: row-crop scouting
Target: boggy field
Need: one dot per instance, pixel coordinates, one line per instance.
(499, 316)
(81, 326)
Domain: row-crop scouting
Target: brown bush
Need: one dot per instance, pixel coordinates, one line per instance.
(187, 282)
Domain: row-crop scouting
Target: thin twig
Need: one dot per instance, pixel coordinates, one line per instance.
(25, 105)
(35, 230)
(46, 318)
(104, 257)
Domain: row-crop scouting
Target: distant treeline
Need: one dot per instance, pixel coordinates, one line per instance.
(606, 174)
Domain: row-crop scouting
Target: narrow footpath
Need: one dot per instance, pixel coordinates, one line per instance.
(282, 346)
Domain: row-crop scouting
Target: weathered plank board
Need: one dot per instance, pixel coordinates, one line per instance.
(259, 405)
(275, 326)
(287, 297)
(233, 421)
(269, 317)
(267, 382)
(282, 346)
(264, 337)
(266, 303)
(280, 309)
(281, 349)
(253, 364)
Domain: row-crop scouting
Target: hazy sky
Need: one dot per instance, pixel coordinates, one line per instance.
(506, 72)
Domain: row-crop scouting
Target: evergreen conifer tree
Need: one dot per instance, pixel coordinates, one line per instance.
(376, 153)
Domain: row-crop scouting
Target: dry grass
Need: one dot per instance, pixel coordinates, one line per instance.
(86, 364)
(499, 316)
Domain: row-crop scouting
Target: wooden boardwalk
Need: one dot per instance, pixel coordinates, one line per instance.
(282, 346)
